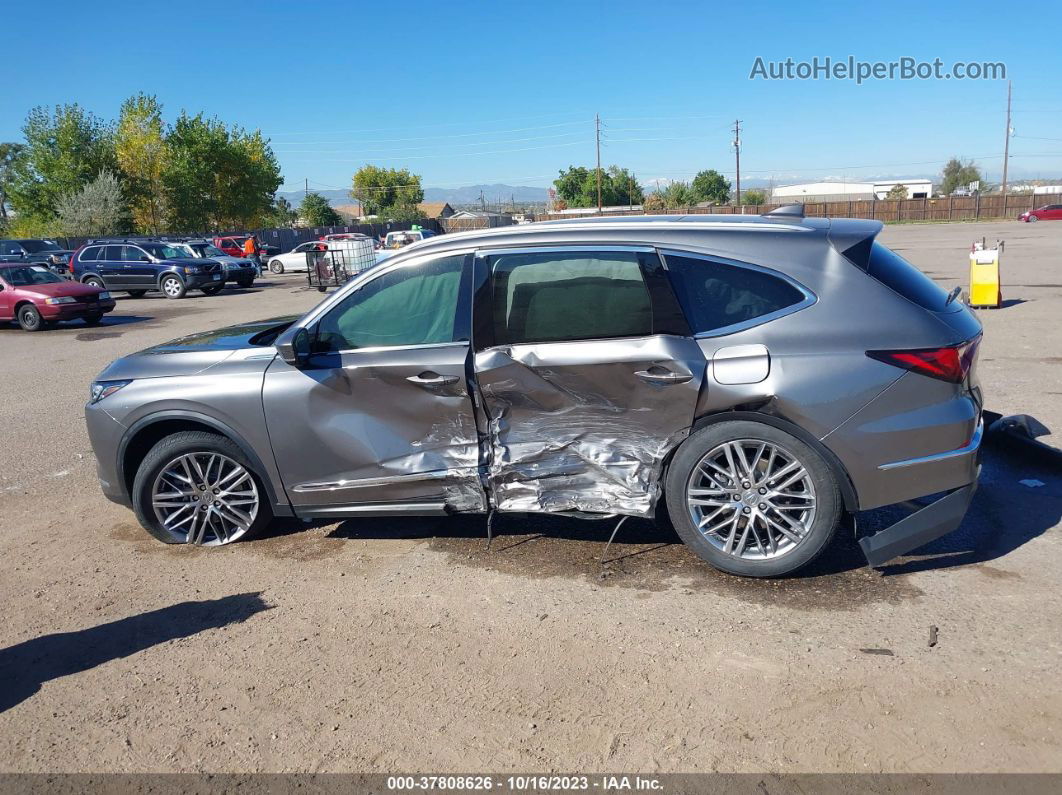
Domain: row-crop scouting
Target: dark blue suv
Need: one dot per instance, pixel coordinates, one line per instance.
(135, 267)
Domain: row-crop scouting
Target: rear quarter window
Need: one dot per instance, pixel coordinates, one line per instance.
(716, 295)
(902, 277)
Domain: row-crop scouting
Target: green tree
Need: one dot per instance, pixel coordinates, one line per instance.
(96, 209)
(678, 194)
(10, 154)
(754, 196)
(957, 174)
(282, 214)
(578, 187)
(710, 186)
(314, 210)
(382, 189)
(140, 147)
(897, 191)
(65, 149)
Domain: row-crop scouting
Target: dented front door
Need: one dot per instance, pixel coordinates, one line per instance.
(579, 424)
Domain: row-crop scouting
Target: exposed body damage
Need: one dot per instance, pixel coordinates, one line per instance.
(585, 426)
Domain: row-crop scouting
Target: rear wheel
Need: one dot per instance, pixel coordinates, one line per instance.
(212, 289)
(199, 488)
(751, 499)
(172, 286)
(137, 293)
(29, 318)
(96, 281)
(276, 266)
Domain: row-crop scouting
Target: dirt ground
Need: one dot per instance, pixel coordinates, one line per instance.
(402, 645)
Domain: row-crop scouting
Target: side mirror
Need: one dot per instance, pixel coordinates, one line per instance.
(294, 347)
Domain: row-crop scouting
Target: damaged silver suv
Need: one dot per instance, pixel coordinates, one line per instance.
(760, 376)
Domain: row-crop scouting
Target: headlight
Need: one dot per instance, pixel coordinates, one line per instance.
(105, 296)
(63, 299)
(102, 389)
(191, 269)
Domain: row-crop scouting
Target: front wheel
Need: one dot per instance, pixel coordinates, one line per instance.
(136, 293)
(212, 289)
(172, 287)
(245, 283)
(276, 266)
(1033, 219)
(751, 499)
(29, 318)
(93, 320)
(195, 487)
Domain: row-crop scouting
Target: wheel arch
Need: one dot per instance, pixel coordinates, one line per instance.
(840, 473)
(148, 431)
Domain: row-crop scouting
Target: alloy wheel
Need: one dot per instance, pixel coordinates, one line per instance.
(751, 499)
(172, 287)
(205, 499)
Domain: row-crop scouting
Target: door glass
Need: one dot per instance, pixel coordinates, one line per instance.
(113, 253)
(411, 305)
(569, 295)
(132, 254)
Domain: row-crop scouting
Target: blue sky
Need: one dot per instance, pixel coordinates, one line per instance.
(484, 92)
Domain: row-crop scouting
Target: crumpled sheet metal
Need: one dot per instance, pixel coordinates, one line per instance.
(568, 437)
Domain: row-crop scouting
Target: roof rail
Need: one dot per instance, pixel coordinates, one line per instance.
(786, 211)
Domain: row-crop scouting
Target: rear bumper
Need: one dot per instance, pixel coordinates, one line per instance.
(924, 525)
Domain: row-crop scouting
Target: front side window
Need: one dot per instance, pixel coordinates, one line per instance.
(414, 304)
(715, 295)
(555, 296)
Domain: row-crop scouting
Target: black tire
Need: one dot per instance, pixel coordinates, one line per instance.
(245, 283)
(1033, 219)
(276, 266)
(137, 293)
(827, 499)
(172, 286)
(171, 448)
(93, 320)
(95, 281)
(29, 318)
(212, 289)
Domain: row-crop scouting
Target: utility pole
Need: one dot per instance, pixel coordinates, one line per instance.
(737, 162)
(1006, 150)
(306, 191)
(597, 126)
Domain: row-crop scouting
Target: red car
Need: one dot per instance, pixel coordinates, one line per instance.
(233, 246)
(1049, 212)
(37, 298)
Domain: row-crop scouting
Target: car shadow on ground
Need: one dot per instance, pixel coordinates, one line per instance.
(80, 325)
(25, 666)
(1005, 515)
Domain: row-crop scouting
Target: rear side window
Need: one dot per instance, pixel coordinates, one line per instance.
(89, 254)
(902, 277)
(715, 295)
(578, 295)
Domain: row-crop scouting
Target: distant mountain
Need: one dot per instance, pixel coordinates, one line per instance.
(492, 194)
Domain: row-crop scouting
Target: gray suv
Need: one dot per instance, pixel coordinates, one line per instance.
(754, 378)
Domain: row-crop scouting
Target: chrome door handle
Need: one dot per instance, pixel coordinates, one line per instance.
(663, 377)
(429, 378)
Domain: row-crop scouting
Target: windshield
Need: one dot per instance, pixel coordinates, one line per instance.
(167, 252)
(37, 246)
(207, 250)
(28, 275)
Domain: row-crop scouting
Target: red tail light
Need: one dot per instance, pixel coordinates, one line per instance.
(948, 364)
(70, 262)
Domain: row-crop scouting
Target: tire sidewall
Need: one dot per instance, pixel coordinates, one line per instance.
(29, 311)
(276, 266)
(179, 444)
(178, 279)
(828, 507)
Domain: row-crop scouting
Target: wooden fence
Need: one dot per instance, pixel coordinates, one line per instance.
(943, 208)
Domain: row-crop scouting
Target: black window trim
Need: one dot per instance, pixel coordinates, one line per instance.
(483, 337)
(809, 297)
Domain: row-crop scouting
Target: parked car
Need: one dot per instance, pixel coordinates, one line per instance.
(295, 260)
(400, 239)
(44, 252)
(137, 267)
(232, 245)
(762, 376)
(1049, 212)
(240, 270)
(36, 298)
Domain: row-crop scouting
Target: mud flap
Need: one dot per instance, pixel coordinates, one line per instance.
(924, 525)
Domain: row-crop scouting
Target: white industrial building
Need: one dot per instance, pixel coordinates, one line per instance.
(844, 191)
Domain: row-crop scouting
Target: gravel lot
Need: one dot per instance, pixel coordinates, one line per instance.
(401, 645)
